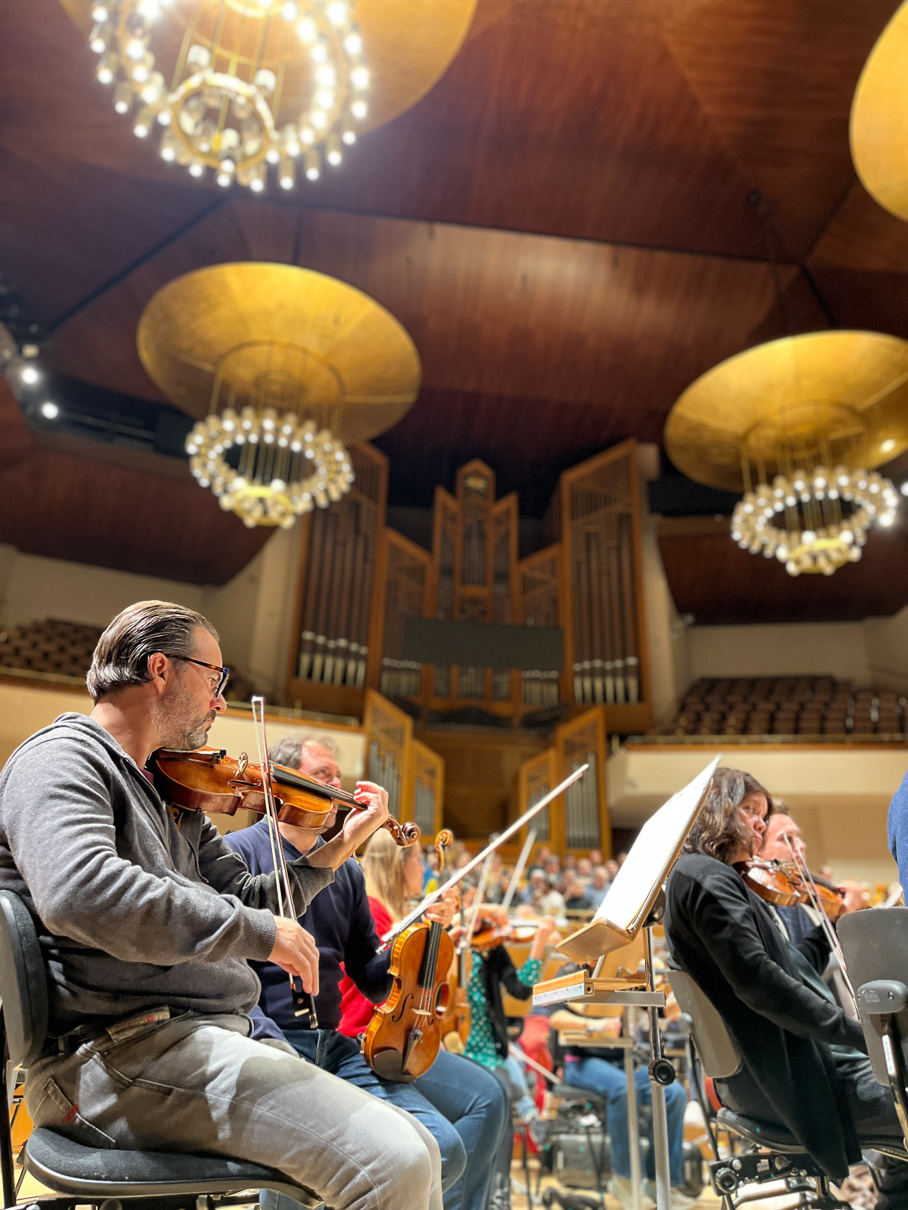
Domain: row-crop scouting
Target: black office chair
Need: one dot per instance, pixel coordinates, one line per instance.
(148, 1180)
(781, 1157)
(875, 945)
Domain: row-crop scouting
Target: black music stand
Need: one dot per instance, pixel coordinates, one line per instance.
(635, 902)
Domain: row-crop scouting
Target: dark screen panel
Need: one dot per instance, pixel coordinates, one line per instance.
(484, 644)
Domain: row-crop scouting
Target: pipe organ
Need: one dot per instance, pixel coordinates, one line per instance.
(410, 771)
(361, 582)
(577, 819)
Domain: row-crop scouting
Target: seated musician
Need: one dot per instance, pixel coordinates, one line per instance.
(601, 1069)
(488, 1041)
(803, 1059)
(146, 921)
(456, 1101)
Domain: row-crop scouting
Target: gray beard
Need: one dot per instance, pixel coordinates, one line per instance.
(175, 730)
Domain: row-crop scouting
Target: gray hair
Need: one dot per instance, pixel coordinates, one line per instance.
(120, 659)
(289, 751)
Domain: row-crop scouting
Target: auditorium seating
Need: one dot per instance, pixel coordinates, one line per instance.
(791, 706)
(60, 652)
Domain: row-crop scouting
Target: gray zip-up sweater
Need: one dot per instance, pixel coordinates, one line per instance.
(133, 911)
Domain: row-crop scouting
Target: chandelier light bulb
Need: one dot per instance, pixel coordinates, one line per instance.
(99, 37)
(287, 173)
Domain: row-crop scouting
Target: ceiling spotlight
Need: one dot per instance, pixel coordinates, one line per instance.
(887, 446)
(904, 488)
(30, 375)
(49, 410)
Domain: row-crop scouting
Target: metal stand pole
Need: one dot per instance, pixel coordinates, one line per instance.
(633, 1115)
(659, 1069)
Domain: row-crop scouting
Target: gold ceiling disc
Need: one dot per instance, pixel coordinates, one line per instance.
(879, 118)
(408, 45)
(850, 388)
(271, 334)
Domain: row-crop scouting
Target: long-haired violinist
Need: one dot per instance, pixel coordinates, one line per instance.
(804, 1061)
(147, 920)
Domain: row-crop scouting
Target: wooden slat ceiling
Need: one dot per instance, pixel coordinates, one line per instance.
(589, 210)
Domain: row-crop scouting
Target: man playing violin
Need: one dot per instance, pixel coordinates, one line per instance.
(461, 1104)
(147, 919)
(803, 1060)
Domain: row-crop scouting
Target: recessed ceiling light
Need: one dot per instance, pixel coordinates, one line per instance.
(49, 410)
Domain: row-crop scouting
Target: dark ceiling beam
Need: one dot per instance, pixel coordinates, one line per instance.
(147, 255)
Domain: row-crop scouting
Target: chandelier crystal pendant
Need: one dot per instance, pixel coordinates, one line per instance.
(236, 87)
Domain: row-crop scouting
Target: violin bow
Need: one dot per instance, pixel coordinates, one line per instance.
(470, 922)
(303, 1001)
(480, 857)
(519, 868)
(831, 937)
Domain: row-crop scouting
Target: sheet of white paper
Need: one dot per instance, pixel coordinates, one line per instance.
(645, 868)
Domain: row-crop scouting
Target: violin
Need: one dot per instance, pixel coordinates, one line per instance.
(401, 1041)
(781, 882)
(211, 781)
(489, 934)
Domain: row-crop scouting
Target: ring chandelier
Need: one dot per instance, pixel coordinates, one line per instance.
(281, 369)
(814, 522)
(286, 464)
(798, 424)
(246, 85)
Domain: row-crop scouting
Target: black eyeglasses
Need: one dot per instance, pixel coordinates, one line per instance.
(223, 673)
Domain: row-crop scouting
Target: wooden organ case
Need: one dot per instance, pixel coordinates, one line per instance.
(361, 581)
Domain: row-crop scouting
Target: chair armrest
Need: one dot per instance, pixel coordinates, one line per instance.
(882, 997)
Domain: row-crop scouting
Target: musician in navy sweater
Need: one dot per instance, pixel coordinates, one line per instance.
(461, 1104)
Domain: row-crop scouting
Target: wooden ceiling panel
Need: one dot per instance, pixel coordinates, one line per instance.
(861, 236)
(568, 120)
(778, 94)
(68, 228)
(490, 312)
(62, 507)
(721, 585)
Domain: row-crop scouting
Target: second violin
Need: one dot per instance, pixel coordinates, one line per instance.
(211, 781)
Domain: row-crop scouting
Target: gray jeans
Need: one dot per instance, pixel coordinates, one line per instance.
(195, 1083)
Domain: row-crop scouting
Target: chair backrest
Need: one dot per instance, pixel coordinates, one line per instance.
(718, 1051)
(23, 982)
(875, 945)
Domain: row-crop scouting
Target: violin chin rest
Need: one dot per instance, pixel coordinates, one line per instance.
(453, 1042)
(389, 1065)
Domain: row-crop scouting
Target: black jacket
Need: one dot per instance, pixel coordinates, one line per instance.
(723, 936)
(497, 968)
